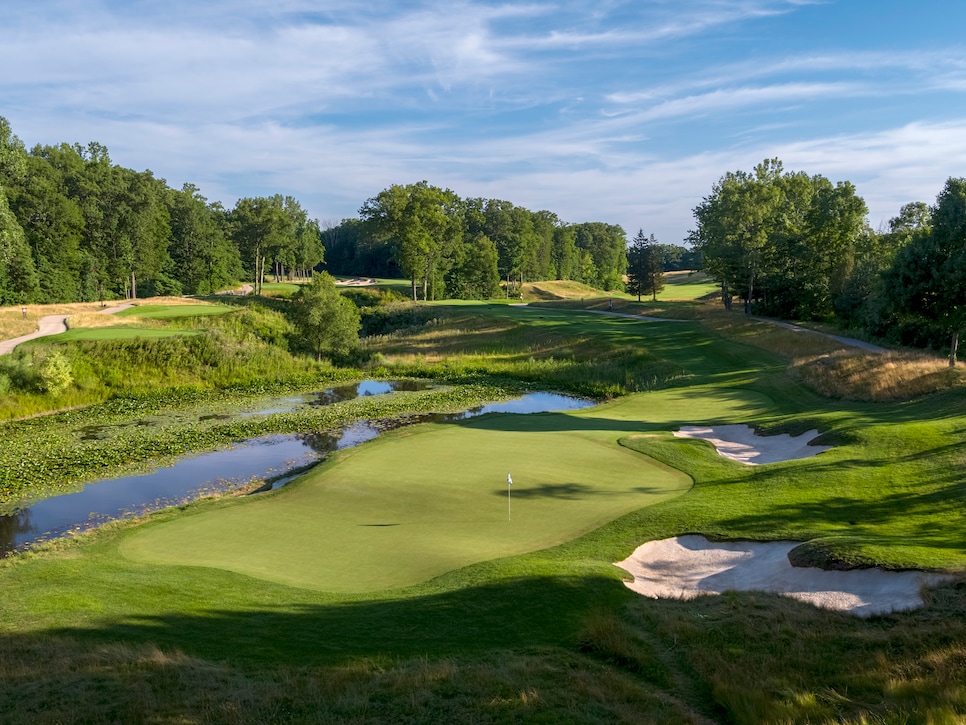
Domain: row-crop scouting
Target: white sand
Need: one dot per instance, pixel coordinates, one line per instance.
(741, 443)
(689, 566)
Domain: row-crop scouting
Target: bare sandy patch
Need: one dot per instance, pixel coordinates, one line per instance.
(741, 443)
(685, 567)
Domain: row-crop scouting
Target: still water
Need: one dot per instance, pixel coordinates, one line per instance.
(227, 469)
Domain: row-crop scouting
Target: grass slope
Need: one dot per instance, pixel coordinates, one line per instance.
(549, 635)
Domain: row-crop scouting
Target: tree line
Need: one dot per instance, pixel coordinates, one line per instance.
(74, 226)
(797, 246)
(448, 246)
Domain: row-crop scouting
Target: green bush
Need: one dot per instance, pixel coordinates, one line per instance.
(55, 373)
(394, 317)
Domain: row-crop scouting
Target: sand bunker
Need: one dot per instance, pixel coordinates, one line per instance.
(689, 566)
(741, 443)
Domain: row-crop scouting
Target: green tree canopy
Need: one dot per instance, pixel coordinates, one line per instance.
(327, 322)
(927, 280)
(786, 242)
(645, 266)
(422, 223)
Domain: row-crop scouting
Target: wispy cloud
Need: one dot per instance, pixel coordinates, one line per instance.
(618, 110)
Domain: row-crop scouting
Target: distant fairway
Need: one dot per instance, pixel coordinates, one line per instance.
(157, 312)
(687, 286)
(116, 332)
(430, 499)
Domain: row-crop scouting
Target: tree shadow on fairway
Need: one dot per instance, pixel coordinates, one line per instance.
(518, 612)
(570, 491)
(712, 656)
(563, 423)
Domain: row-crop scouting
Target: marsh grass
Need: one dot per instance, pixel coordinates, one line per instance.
(55, 454)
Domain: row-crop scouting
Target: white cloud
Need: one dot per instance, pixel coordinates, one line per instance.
(564, 105)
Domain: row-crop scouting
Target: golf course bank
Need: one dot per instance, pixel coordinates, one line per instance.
(403, 580)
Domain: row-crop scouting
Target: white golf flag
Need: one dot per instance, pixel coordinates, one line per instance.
(509, 481)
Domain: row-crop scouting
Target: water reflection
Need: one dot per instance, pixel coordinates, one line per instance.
(224, 470)
(340, 394)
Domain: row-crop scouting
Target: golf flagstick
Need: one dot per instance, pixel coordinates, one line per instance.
(509, 482)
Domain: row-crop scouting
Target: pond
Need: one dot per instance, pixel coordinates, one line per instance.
(227, 469)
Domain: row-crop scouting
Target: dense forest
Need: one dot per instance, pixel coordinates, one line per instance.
(76, 227)
(799, 247)
(453, 247)
(463, 248)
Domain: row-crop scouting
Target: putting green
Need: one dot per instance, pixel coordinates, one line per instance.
(425, 500)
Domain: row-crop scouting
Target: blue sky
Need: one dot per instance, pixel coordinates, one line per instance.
(624, 112)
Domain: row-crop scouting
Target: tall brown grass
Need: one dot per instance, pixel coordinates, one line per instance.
(882, 377)
(80, 314)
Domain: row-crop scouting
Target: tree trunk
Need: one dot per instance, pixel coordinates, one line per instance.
(134, 286)
(726, 295)
(426, 282)
(414, 288)
(751, 292)
(953, 348)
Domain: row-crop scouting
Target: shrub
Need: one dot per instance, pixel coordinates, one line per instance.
(55, 373)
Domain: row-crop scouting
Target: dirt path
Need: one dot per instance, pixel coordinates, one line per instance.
(49, 325)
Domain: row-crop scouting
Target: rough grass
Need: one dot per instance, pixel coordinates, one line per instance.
(13, 325)
(475, 341)
(891, 376)
(563, 290)
(124, 683)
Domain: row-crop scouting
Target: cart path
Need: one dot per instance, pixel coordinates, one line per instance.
(51, 325)
(852, 342)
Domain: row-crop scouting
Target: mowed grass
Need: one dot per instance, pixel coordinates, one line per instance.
(158, 312)
(428, 500)
(114, 332)
(687, 286)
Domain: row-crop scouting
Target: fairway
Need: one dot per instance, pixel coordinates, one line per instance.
(116, 332)
(159, 312)
(426, 500)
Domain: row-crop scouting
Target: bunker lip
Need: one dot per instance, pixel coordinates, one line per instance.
(685, 567)
(741, 443)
